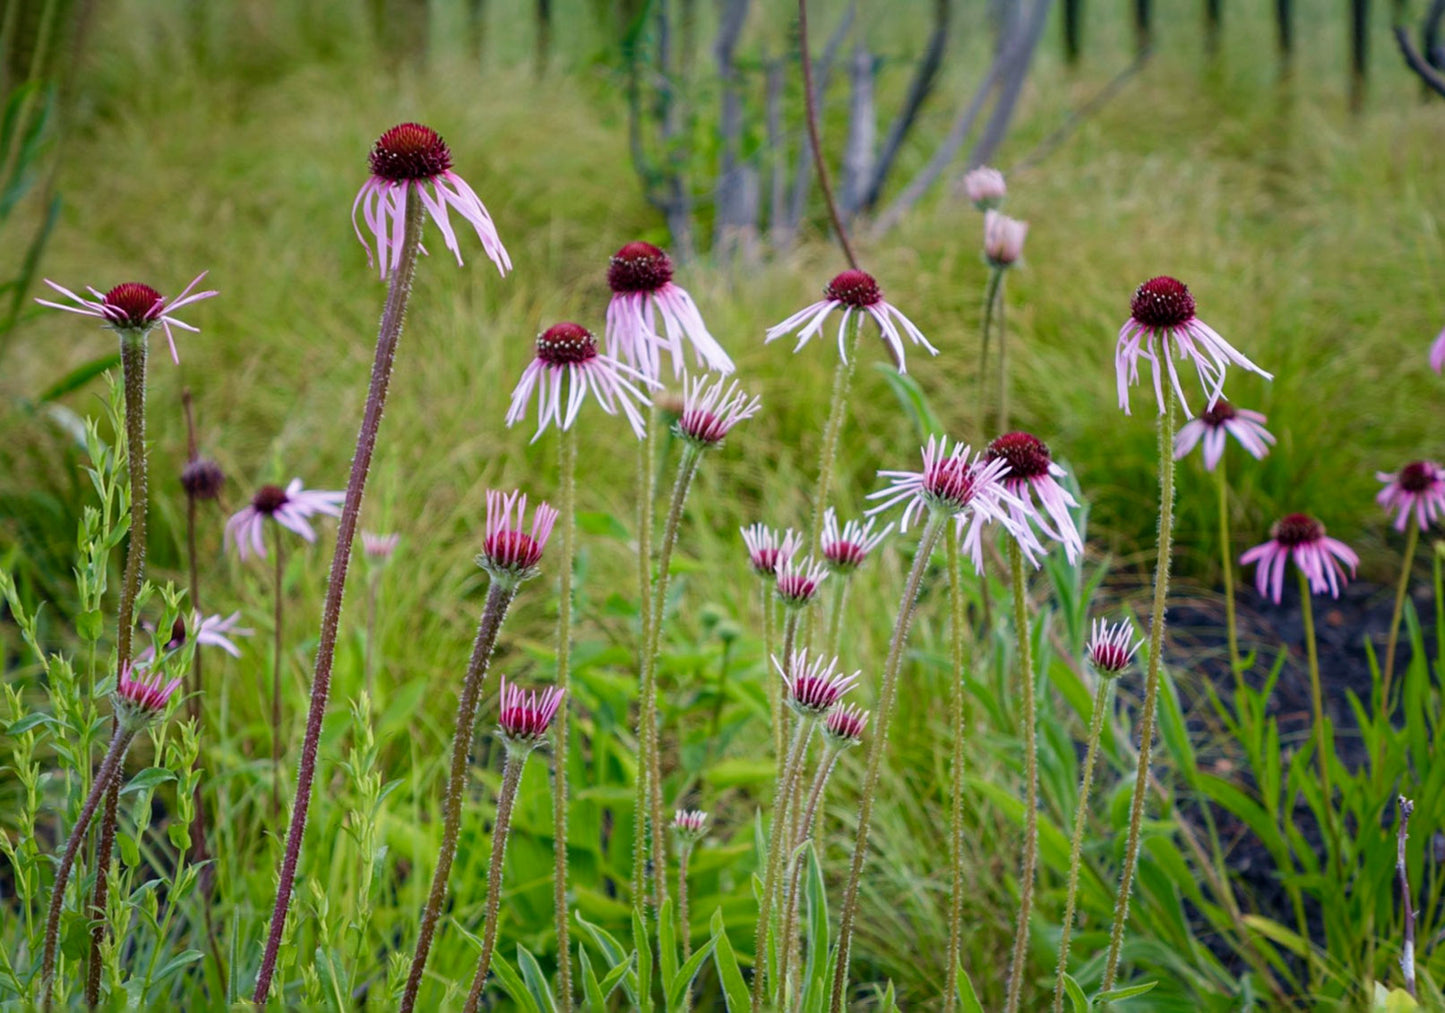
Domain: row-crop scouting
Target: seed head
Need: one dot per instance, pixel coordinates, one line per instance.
(1162, 303)
(639, 267)
(1027, 456)
(269, 499)
(410, 151)
(1296, 529)
(130, 305)
(854, 288)
(566, 344)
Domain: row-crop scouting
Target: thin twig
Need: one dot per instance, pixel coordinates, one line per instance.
(1432, 77)
(810, 99)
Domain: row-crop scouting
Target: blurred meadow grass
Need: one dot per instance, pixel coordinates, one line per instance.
(232, 138)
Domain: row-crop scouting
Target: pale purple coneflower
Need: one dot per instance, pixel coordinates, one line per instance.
(640, 276)
(134, 307)
(1111, 647)
(1211, 426)
(1003, 239)
(767, 550)
(1437, 353)
(408, 157)
(845, 550)
(853, 292)
(379, 547)
(958, 485)
(1418, 488)
(985, 187)
(1320, 559)
(524, 718)
(710, 408)
(290, 507)
(212, 631)
(799, 580)
(141, 693)
(569, 351)
(691, 824)
(509, 550)
(844, 725)
(1032, 471)
(814, 685)
(1162, 323)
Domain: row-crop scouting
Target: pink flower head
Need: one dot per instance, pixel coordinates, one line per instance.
(525, 717)
(1418, 487)
(799, 580)
(141, 694)
(1032, 472)
(134, 308)
(569, 351)
(844, 725)
(509, 552)
(1213, 423)
(1162, 324)
(814, 685)
(640, 276)
(690, 824)
(1437, 353)
(955, 484)
(408, 157)
(853, 292)
(379, 547)
(212, 631)
(1301, 537)
(767, 550)
(1111, 648)
(1003, 238)
(290, 507)
(985, 187)
(845, 550)
(710, 408)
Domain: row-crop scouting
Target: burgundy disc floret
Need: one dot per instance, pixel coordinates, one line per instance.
(711, 408)
(291, 507)
(1162, 327)
(799, 580)
(845, 550)
(1111, 647)
(1418, 488)
(814, 685)
(133, 308)
(524, 717)
(853, 292)
(690, 824)
(844, 725)
(640, 276)
(1031, 473)
(1302, 538)
(410, 158)
(510, 552)
(767, 550)
(1211, 426)
(202, 478)
(568, 351)
(141, 694)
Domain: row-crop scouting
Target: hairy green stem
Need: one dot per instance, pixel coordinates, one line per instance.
(837, 412)
(775, 694)
(1031, 776)
(835, 617)
(1227, 560)
(1151, 686)
(1324, 742)
(683, 918)
(777, 848)
(499, 599)
(388, 334)
(1002, 358)
(1076, 846)
(646, 452)
(887, 692)
(957, 622)
(511, 779)
(567, 516)
(990, 298)
(1412, 540)
(802, 831)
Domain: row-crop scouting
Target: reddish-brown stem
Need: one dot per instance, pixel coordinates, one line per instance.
(811, 100)
(511, 779)
(276, 681)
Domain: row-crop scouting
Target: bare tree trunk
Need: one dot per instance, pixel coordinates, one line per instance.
(1284, 21)
(733, 216)
(1213, 23)
(543, 51)
(925, 80)
(1143, 24)
(1359, 51)
(777, 156)
(1073, 25)
(679, 200)
(862, 132)
(1011, 83)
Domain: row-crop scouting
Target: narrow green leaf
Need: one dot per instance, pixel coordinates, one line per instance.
(1128, 992)
(679, 984)
(967, 995)
(1076, 994)
(735, 989)
(512, 982)
(591, 987)
(79, 377)
(536, 981)
(644, 962)
(666, 942)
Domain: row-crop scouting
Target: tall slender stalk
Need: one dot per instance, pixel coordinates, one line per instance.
(1324, 745)
(1227, 564)
(777, 847)
(567, 515)
(837, 412)
(835, 614)
(1412, 540)
(500, 596)
(810, 100)
(775, 693)
(276, 647)
(1151, 685)
(1407, 954)
(957, 621)
(1031, 777)
(133, 348)
(990, 299)
(684, 855)
(392, 319)
(887, 692)
(511, 779)
(802, 831)
(1076, 846)
(109, 768)
(1002, 329)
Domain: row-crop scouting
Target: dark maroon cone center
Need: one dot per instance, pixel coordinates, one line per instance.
(203, 478)
(845, 725)
(950, 480)
(1161, 303)
(854, 288)
(1218, 415)
(513, 548)
(178, 634)
(565, 344)
(639, 267)
(269, 499)
(410, 151)
(1297, 529)
(134, 300)
(1109, 657)
(811, 691)
(522, 722)
(1417, 476)
(1026, 454)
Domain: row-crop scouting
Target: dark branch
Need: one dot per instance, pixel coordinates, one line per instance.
(1416, 62)
(810, 99)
